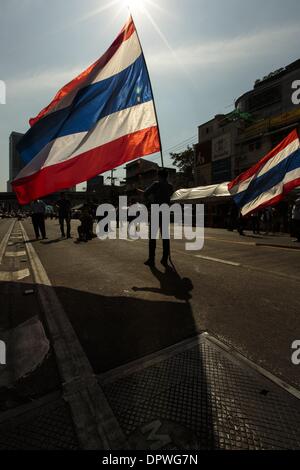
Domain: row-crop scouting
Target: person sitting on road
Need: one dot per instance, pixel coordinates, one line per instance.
(84, 229)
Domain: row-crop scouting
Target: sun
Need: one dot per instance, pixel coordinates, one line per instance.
(134, 3)
(137, 5)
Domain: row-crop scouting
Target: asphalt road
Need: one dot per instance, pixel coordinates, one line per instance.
(121, 310)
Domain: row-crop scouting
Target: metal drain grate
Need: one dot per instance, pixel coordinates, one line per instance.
(48, 426)
(198, 397)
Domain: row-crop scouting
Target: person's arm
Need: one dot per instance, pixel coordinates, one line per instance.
(150, 190)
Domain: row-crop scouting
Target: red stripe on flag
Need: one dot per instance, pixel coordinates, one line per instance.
(126, 32)
(256, 168)
(87, 165)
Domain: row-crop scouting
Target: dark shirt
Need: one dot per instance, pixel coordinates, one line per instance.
(64, 207)
(160, 192)
(86, 221)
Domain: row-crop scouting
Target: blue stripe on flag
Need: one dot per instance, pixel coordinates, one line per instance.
(123, 90)
(265, 182)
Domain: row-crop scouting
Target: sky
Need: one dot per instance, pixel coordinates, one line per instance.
(201, 55)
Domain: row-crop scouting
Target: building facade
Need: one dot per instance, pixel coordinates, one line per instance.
(95, 184)
(15, 162)
(140, 174)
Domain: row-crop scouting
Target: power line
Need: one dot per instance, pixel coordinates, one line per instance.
(186, 141)
(182, 147)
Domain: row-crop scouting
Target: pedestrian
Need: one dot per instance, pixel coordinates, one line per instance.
(255, 219)
(160, 193)
(92, 209)
(240, 224)
(64, 214)
(268, 220)
(296, 219)
(38, 209)
(232, 217)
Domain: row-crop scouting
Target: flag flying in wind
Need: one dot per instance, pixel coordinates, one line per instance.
(98, 121)
(267, 182)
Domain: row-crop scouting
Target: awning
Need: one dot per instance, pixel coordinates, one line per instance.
(202, 192)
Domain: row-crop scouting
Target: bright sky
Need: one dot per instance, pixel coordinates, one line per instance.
(201, 55)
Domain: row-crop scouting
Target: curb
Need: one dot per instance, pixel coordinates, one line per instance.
(278, 245)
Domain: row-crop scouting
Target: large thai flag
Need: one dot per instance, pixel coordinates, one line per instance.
(101, 119)
(267, 182)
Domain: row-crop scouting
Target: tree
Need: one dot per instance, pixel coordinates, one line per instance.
(184, 161)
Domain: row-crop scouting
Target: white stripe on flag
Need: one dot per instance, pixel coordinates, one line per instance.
(272, 192)
(125, 56)
(280, 156)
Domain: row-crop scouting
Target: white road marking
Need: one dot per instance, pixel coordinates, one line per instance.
(218, 260)
(4, 241)
(224, 240)
(11, 276)
(15, 253)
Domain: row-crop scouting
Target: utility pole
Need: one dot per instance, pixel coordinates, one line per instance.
(112, 178)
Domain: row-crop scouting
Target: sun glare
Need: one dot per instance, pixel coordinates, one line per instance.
(135, 4)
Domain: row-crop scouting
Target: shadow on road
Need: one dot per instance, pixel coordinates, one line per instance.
(171, 284)
(54, 240)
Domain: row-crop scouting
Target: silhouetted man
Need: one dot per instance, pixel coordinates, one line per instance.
(64, 214)
(159, 193)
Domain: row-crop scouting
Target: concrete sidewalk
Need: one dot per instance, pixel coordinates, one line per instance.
(276, 240)
(33, 414)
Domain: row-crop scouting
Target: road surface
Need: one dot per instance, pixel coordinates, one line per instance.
(244, 294)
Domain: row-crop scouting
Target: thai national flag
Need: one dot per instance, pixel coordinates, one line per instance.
(267, 182)
(101, 119)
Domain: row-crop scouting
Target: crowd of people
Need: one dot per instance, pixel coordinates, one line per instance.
(63, 211)
(269, 220)
(266, 221)
(157, 193)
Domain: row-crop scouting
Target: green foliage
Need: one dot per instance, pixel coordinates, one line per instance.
(184, 161)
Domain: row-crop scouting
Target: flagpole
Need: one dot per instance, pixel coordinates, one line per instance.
(154, 106)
